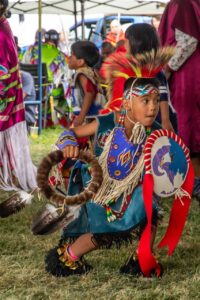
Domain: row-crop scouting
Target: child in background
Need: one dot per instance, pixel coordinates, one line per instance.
(117, 208)
(84, 88)
(29, 94)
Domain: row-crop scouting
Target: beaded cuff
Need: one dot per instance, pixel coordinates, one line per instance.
(67, 138)
(65, 258)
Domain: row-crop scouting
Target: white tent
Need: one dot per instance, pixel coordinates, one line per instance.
(136, 7)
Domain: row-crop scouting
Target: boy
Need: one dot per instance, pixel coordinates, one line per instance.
(117, 209)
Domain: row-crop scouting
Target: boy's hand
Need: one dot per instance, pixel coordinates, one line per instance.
(71, 151)
(78, 121)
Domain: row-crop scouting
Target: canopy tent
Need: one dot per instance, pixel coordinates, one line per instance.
(81, 7)
(136, 7)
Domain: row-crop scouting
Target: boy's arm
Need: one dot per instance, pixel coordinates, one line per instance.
(67, 141)
(89, 97)
(86, 130)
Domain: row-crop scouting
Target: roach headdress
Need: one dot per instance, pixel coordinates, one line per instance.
(143, 65)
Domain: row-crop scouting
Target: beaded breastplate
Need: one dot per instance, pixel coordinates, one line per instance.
(123, 155)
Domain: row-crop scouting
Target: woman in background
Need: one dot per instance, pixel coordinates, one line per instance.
(17, 172)
(180, 26)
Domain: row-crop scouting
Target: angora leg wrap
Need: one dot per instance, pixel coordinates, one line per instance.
(54, 266)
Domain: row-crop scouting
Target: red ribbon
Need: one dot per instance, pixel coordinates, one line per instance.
(177, 221)
(146, 259)
(178, 215)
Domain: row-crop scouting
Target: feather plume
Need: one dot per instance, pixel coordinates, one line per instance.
(15, 203)
(48, 220)
(146, 64)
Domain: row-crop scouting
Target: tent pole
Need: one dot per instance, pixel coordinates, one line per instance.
(75, 20)
(40, 63)
(83, 18)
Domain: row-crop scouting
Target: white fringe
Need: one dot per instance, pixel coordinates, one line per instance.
(72, 214)
(52, 209)
(15, 160)
(25, 197)
(181, 193)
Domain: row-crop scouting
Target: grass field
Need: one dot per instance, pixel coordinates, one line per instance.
(22, 274)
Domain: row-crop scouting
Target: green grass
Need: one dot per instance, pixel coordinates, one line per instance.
(22, 274)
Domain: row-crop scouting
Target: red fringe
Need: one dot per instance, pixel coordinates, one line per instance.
(178, 215)
(177, 221)
(146, 259)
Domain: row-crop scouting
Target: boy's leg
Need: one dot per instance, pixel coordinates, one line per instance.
(84, 244)
(132, 266)
(68, 259)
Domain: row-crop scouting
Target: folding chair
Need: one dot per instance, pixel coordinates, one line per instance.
(33, 70)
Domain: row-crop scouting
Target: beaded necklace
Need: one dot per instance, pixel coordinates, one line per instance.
(123, 114)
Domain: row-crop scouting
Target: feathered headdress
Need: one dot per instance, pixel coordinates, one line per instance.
(143, 65)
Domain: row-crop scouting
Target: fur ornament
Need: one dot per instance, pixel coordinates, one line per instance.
(49, 220)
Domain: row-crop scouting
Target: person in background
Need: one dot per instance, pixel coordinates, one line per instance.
(63, 43)
(43, 31)
(57, 69)
(17, 172)
(155, 21)
(116, 33)
(24, 49)
(51, 55)
(29, 94)
(19, 50)
(120, 46)
(106, 49)
(85, 92)
(180, 27)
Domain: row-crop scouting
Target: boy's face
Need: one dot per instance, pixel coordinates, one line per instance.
(74, 63)
(143, 109)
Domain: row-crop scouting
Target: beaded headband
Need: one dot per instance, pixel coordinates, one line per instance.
(140, 90)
